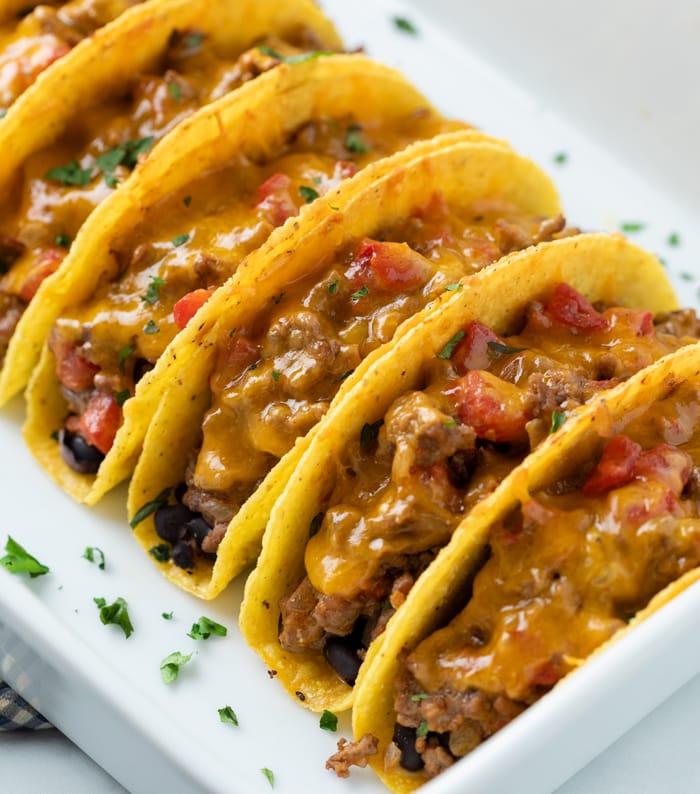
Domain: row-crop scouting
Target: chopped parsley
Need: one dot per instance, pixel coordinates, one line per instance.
(175, 91)
(151, 327)
(123, 355)
(150, 507)
(498, 349)
(227, 714)
(369, 433)
(674, 239)
(632, 226)
(309, 194)
(364, 290)
(315, 524)
(205, 627)
(187, 201)
(560, 158)
(122, 396)
(342, 377)
(153, 290)
(70, 174)
(419, 696)
(62, 241)
(353, 141)
(687, 277)
(170, 666)
(181, 239)
(304, 56)
(125, 154)
(333, 287)
(160, 552)
(270, 775)
(422, 729)
(558, 419)
(453, 287)
(166, 615)
(405, 26)
(193, 40)
(449, 348)
(328, 721)
(89, 554)
(275, 375)
(19, 560)
(116, 613)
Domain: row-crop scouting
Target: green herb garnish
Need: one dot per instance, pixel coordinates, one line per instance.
(405, 26)
(275, 375)
(309, 194)
(422, 729)
(181, 239)
(342, 377)
(364, 290)
(175, 91)
(498, 349)
(453, 287)
(187, 201)
(304, 56)
(674, 239)
(353, 141)
(122, 396)
(150, 507)
(369, 433)
(166, 615)
(160, 552)
(449, 348)
(70, 174)
(558, 420)
(170, 666)
(151, 327)
(560, 158)
(19, 560)
(62, 241)
(328, 721)
(205, 627)
(123, 355)
(419, 696)
(333, 287)
(270, 775)
(89, 554)
(116, 613)
(227, 714)
(632, 226)
(193, 40)
(153, 290)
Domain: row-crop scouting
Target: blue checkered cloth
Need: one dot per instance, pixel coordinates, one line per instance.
(16, 714)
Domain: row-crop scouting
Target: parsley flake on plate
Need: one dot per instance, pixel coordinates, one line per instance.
(91, 553)
(205, 627)
(405, 26)
(270, 775)
(328, 721)
(19, 560)
(116, 613)
(227, 714)
(170, 666)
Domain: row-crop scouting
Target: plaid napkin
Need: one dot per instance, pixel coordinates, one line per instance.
(16, 714)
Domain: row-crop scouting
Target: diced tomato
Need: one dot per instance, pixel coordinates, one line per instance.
(48, 263)
(494, 408)
(73, 370)
(344, 170)
(473, 351)
(545, 674)
(393, 267)
(235, 355)
(275, 198)
(100, 422)
(186, 308)
(665, 464)
(639, 322)
(569, 307)
(24, 60)
(615, 467)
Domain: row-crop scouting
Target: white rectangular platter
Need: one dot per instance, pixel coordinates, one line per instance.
(602, 97)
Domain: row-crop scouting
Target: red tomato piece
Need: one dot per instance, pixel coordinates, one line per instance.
(473, 351)
(665, 464)
(494, 408)
(24, 60)
(569, 307)
(615, 467)
(393, 267)
(344, 169)
(73, 370)
(47, 263)
(275, 198)
(100, 422)
(188, 305)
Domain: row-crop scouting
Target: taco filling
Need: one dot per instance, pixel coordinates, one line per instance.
(59, 186)
(189, 245)
(275, 379)
(565, 572)
(31, 40)
(410, 478)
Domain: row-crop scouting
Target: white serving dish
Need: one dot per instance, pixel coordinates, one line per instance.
(613, 88)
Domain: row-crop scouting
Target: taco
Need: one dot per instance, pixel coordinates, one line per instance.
(592, 535)
(209, 195)
(303, 313)
(77, 134)
(426, 433)
(32, 37)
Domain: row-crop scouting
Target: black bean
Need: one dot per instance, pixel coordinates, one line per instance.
(183, 553)
(341, 654)
(197, 528)
(405, 740)
(170, 520)
(141, 367)
(180, 491)
(77, 454)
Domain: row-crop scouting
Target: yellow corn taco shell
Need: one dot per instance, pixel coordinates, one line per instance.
(601, 267)
(371, 203)
(640, 408)
(85, 97)
(251, 125)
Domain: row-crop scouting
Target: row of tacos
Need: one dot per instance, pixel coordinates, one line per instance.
(331, 334)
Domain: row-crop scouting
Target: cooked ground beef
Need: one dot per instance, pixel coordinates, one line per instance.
(683, 322)
(352, 754)
(549, 391)
(11, 308)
